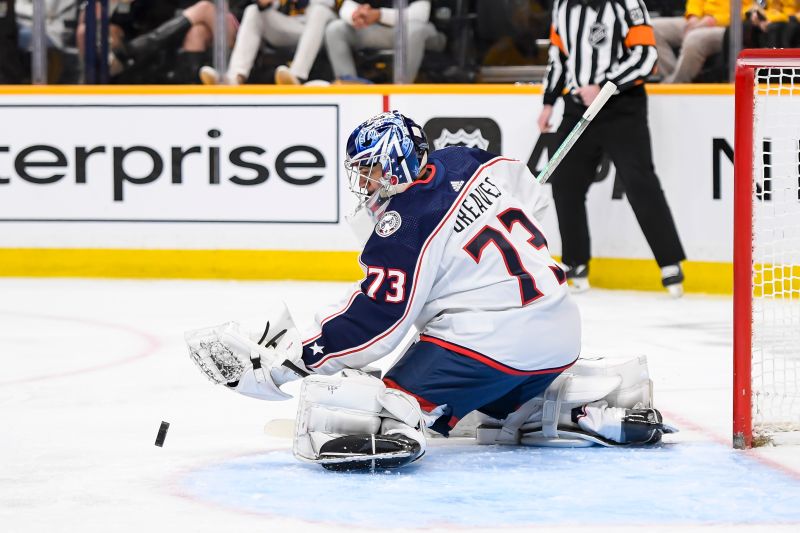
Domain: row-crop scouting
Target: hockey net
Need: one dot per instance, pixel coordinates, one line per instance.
(766, 404)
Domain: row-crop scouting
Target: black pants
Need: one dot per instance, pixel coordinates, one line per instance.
(620, 130)
(10, 58)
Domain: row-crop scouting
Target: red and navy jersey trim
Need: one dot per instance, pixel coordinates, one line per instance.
(423, 403)
(488, 361)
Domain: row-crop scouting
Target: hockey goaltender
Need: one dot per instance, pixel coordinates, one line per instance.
(452, 247)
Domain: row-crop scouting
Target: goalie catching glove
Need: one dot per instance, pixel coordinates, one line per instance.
(253, 363)
(351, 421)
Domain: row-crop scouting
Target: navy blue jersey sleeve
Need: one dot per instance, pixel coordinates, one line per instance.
(398, 269)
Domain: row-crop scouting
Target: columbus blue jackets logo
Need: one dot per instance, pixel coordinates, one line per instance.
(388, 224)
(597, 34)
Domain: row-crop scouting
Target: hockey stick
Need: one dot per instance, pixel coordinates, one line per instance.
(602, 97)
(283, 428)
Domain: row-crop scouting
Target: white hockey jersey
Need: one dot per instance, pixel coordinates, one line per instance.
(461, 256)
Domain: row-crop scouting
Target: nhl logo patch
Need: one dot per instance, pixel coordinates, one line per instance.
(473, 139)
(597, 34)
(388, 224)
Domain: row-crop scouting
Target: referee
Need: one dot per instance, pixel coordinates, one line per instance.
(591, 42)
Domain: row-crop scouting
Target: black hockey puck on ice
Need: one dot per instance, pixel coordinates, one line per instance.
(162, 434)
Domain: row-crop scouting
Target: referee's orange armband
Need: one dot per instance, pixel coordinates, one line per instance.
(555, 39)
(640, 36)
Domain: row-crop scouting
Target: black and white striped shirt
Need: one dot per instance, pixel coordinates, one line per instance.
(592, 41)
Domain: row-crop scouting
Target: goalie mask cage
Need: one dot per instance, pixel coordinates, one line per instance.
(766, 325)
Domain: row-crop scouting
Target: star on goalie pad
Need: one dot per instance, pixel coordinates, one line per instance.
(316, 349)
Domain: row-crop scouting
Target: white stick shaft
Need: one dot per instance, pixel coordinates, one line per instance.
(602, 97)
(282, 428)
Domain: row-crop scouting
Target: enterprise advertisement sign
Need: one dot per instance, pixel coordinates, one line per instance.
(169, 163)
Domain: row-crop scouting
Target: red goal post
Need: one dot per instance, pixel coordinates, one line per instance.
(766, 302)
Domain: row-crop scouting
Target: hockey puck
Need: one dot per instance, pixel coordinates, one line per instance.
(162, 434)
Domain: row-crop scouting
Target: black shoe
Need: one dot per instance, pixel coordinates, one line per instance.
(578, 277)
(672, 279)
(145, 45)
(187, 67)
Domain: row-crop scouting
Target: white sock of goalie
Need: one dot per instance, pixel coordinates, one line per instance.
(600, 419)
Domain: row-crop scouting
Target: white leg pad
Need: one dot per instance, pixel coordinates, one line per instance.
(542, 420)
(350, 403)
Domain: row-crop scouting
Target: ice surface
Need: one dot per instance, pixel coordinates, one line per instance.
(89, 369)
(493, 486)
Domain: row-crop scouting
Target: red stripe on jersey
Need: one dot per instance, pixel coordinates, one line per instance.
(453, 209)
(430, 174)
(425, 404)
(489, 361)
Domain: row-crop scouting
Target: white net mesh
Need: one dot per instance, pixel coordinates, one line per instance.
(776, 251)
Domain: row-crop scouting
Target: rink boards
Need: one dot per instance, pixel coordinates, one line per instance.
(247, 182)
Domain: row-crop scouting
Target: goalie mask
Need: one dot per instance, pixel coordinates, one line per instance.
(384, 155)
(385, 151)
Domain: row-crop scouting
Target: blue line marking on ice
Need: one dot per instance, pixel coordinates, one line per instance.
(493, 486)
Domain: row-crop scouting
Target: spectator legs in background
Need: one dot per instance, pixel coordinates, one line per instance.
(10, 64)
(275, 27)
(777, 35)
(419, 35)
(669, 35)
(792, 34)
(199, 38)
(341, 40)
(144, 46)
(698, 45)
(115, 34)
(203, 13)
(318, 14)
(195, 26)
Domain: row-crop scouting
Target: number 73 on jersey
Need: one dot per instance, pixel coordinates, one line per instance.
(488, 235)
